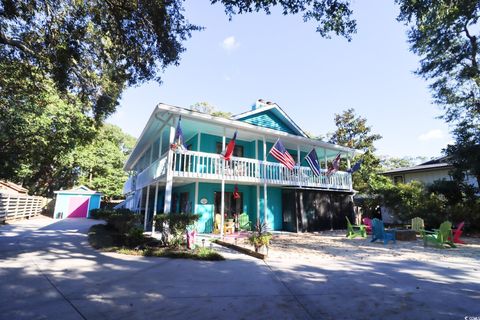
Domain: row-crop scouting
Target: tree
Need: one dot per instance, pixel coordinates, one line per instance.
(206, 107)
(465, 153)
(353, 132)
(445, 35)
(101, 162)
(93, 49)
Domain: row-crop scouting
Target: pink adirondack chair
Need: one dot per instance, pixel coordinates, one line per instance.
(368, 223)
(458, 232)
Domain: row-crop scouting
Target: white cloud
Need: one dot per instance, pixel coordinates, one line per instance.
(434, 134)
(230, 43)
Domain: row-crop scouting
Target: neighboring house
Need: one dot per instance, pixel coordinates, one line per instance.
(9, 187)
(427, 172)
(253, 182)
(76, 202)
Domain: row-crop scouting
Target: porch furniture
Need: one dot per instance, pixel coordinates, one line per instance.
(440, 237)
(457, 233)
(417, 224)
(244, 222)
(405, 235)
(218, 222)
(379, 232)
(229, 227)
(355, 230)
(368, 224)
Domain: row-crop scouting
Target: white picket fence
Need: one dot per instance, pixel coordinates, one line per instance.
(15, 206)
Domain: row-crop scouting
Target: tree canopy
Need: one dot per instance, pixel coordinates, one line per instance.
(94, 49)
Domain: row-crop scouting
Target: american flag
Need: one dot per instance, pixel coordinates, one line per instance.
(335, 165)
(279, 152)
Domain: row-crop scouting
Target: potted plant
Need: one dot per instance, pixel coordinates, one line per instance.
(260, 238)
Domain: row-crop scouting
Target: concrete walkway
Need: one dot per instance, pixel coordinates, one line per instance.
(48, 271)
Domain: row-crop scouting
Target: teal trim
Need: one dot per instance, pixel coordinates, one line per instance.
(268, 120)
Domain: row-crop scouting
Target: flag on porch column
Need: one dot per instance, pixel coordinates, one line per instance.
(356, 166)
(312, 160)
(335, 165)
(178, 140)
(227, 153)
(279, 152)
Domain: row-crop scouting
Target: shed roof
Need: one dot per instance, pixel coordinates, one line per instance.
(79, 190)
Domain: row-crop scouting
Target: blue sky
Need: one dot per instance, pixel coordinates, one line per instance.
(282, 59)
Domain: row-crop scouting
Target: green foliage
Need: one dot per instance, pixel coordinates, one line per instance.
(353, 132)
(135, 237)
(206, 107)
(445, 35)
(177, 223)
(101, 162)
(123, 220)
(260, 237)
(333, 16)
(464, 155)
(101, 214)
(92, 49)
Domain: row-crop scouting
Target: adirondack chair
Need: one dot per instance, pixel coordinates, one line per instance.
(368, 225)
(218, 221)
(418, 224)
(439, 237)
(355, 230)
(379, 232)
(457, 233)
(244, 222)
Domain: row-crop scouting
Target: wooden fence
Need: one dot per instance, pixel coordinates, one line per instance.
(16, 206)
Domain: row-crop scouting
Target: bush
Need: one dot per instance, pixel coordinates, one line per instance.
(135, 237)
(177, 223)
(101, 214)
(124, 220)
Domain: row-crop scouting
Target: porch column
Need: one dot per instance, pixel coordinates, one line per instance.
(196, 198)
(257, 175)
(169, 179)
(299, 161)
(160, 145)
(155, 208)
(222, 206)
(265, 200)
(325, 157)
(145, 220)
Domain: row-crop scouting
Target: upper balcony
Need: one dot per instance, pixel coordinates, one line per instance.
(207, 166)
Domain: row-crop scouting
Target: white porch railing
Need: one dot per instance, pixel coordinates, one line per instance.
(208, 166)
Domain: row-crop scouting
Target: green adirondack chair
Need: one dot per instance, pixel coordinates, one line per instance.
(440, 237)
(418, 224)
(244, 222)
(354, 231)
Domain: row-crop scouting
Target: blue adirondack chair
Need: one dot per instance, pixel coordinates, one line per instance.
(379, 232)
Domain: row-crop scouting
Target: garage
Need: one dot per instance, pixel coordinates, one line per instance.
(76, 202)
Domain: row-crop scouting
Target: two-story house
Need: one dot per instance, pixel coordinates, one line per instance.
(199, 180)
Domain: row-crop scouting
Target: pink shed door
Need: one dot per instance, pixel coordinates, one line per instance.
(78, 207)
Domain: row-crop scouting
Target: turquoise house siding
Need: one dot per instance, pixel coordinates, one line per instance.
(268, 120)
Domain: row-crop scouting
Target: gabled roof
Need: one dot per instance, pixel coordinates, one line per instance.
(275, 117)
(430, 165)
(78, 190)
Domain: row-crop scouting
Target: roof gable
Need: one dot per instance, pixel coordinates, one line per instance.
(270, 115)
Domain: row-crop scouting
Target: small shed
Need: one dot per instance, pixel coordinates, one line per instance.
(76, 202)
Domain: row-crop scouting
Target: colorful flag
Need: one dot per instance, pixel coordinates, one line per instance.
(356, 166)
(227, 153)
(178, 140)
(236, 194)
(279, 152)
(335, 165)
(312, 161)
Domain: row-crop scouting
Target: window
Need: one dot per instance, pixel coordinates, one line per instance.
(398, 179)
(237, 151)
(232, 205)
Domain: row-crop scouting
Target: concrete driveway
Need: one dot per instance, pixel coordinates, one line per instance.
(48, 271)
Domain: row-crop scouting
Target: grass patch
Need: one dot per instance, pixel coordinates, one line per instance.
(107, 239)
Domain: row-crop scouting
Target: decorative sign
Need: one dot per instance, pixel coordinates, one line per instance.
(204, 201)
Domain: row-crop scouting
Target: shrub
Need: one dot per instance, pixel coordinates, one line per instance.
(101, 214)
(260, 237)
(135, 237)
(177, 224)
(123, 220)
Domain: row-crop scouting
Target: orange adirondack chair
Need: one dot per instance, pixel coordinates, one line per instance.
(457, 233)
